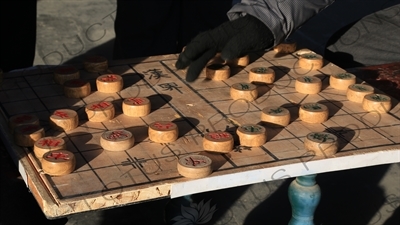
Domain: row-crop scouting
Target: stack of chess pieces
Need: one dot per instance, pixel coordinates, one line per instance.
(56, 160)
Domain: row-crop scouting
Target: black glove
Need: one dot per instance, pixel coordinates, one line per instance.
(233, 39)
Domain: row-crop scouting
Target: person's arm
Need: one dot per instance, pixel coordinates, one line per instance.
(282, 17)
(255, 25)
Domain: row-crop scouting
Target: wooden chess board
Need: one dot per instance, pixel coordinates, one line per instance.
(147, 171)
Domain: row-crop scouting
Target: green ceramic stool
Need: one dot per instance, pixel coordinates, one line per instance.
(304, 196)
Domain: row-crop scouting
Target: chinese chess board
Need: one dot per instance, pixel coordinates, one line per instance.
(104, 179)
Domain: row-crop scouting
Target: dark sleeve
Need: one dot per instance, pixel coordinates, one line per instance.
(282, 17)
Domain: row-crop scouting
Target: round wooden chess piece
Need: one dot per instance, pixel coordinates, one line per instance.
(342, 81)
(46, 144)
(356, 92)
(26, 135)
(313, 113)
(275, 116)
(251, 135)
(109, 83)
(321, 143)
(219, 141)
(76, 88)
(262, 75)
(377, 103)
(117, 140)
(308, 85)
(100, 111)
(136, 107)
(22, 119)
(239, 62)
(95, 64)
(194, 166)
(304, 51)
(218, 72)
(217, 60)
(64, 120)
(64, 73)
(58, 162)
(311, 61)
(163, 132)
(286, 47)
(245, 91)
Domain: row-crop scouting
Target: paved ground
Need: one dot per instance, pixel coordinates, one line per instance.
(66, 29)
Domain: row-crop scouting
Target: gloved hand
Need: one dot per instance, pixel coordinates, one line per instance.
(233, 39)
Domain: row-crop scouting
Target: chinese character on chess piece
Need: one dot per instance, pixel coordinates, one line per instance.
(64, 119)
(58, 162)
(109, 83)
(100, 111)
(313, 112)
(163, 131)
(219, 141)
(321, 143)
(117, 140)
(356, 92)
(342, 81)
(275, 116)
(46, 144)
(136, 107)
(310, 61)
(308, 85)
(244, 91)
(252, 135)
(194, 166)
(22, 119)
(261, 75)
(379, 103)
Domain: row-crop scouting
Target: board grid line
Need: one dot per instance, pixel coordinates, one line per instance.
(132, 157)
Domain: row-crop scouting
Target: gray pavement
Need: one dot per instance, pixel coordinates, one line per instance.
(67, 30)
